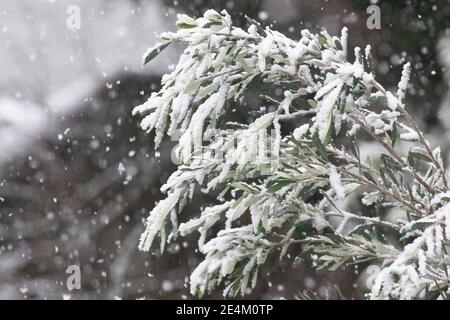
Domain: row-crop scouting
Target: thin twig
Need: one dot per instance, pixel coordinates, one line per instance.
(367, 183)
(396, 156)
(422, 139)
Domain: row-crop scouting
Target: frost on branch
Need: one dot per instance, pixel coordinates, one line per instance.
(282, 186)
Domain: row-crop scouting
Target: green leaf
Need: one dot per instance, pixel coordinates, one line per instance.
(186, 26)
(393, 135)
(327, 138)
(389, 162)
(415, 156)
(255, 83)
(354, 147)
(258, 26)
(155, 51)
(362, 229)
(319, 146)
(383, 176)
(368, 176)
(337, 264)
(392, 176)
(301, 103)
(307, 192)
(212, 23)
(333, 238)
(274, 186)
(322, 40)
(301, 227)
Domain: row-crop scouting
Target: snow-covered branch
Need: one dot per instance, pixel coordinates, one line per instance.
(282, 186)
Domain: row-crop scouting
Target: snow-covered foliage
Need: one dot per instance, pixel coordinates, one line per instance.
(282, 189)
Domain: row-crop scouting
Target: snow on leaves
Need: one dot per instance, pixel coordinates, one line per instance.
(295, 184)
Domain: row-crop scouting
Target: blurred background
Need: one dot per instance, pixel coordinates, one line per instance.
(78, 176)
